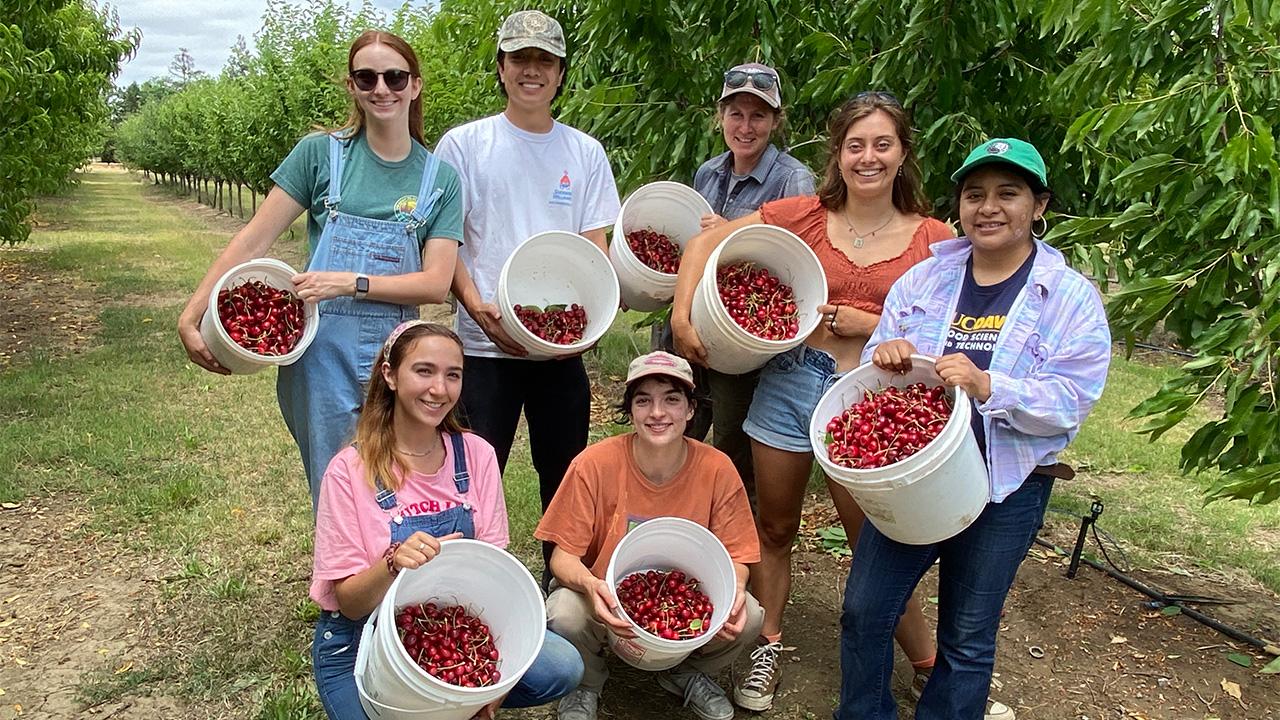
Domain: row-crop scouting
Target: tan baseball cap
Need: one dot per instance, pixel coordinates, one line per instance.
(748, 78)
(531, 28)
(660, 363)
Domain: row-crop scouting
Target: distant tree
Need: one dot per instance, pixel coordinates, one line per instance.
(183, 68)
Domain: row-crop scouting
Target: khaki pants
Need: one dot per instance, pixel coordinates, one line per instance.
(569, 615)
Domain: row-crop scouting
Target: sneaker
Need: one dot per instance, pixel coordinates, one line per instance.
(998, 711)
(578, 705)
(701, 694)
(919, 680)
(755, 690)
(995, 710)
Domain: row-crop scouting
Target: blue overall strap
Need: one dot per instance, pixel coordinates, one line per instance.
(426, 196)
(461, 478)
(386, 498)
(335, 173)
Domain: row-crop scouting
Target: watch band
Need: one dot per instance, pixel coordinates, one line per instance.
(362, 287)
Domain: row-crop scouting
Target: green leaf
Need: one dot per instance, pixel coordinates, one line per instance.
(1240, 659)
(1272, 667)
(1170, 610)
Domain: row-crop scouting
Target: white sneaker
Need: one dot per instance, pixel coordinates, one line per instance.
(758, 684)
(995, 710)
(580, 704)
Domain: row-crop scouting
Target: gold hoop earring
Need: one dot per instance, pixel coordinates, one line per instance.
(1044, 228)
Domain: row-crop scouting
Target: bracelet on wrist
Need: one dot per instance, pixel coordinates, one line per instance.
(390, 556)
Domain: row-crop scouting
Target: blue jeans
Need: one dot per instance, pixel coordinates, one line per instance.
(555, 672)
(790, 386)
(976, 569)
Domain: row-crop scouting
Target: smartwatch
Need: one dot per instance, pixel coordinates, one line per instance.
(362, 287)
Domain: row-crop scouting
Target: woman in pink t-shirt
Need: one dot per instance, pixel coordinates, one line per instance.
(413, 478)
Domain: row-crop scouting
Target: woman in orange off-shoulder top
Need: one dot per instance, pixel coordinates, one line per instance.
(868, 224)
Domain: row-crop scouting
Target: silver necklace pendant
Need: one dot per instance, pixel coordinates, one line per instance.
(857, 241)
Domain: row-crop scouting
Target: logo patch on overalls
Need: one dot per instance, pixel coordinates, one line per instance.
(405, 206)
(563, 194)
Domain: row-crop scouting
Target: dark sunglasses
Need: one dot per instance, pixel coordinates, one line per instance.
(760, 79)
(880, 96)
(368, 79)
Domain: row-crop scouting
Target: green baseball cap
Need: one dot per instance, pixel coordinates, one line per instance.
(1010, 151)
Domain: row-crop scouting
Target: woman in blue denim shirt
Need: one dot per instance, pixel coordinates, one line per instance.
(1026, 337)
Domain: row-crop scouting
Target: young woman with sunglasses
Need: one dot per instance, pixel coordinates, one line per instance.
(1032, 381)
(867, 224)
(384, 220)
(736, 183)
(412, 478)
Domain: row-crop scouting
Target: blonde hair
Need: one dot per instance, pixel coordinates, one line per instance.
(375, 432)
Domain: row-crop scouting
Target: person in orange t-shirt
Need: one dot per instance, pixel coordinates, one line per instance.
(620, 482)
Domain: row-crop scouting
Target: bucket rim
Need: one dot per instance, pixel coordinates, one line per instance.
(386, 612)
(802, 248)
(536, 346)
(869, 477)
(311, 314)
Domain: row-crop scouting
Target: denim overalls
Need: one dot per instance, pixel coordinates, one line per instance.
(321, 393)
(337, 638)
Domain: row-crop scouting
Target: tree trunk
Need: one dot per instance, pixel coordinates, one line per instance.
(240, 198)
(253, 196)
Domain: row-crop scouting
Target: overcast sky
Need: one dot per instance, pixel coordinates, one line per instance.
(206, 29)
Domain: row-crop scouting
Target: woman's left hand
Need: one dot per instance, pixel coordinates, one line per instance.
(419, 550)
(316, 286)
(845, 321)
(737, 617)
(957, 370)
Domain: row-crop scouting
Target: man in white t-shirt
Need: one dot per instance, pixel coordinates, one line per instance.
(524, 173)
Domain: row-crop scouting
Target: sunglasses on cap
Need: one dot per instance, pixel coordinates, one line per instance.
(366, 79)
(760, 79)
(887, 98)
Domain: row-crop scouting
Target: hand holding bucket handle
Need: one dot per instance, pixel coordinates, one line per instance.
(957, 370)
(608, 611)
(419, 549)
(894, 355)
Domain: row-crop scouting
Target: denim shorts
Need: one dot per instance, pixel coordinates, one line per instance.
(791, 384)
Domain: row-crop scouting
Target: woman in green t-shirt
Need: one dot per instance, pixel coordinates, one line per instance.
(384, 222)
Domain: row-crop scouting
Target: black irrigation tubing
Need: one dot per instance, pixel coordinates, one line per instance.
(1162, 597)
(1163, 349)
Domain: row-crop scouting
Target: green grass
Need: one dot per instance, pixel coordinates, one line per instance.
(1149, 503)
(198, 471)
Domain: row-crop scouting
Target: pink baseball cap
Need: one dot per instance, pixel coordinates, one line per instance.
(660, 363)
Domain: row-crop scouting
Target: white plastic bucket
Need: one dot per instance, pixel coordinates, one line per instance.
(230, 355)
(558, 268)
(730, 348)
(670, 208)
(474, 574)
(670, 543)
(927, 497)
